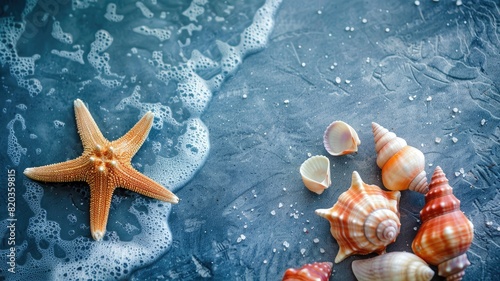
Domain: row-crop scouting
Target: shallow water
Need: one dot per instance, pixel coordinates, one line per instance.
(242, 93)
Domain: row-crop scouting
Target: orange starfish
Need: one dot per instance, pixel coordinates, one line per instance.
(104, 165)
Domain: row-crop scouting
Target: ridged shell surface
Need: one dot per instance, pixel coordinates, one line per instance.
(315, 173)
(318, 271)
(394, 266)
(445, 234)
(402, 165)
(364, 220)
(340, 139)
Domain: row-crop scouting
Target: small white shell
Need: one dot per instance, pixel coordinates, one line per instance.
(395, 266)
(340, 139)
(315, 173)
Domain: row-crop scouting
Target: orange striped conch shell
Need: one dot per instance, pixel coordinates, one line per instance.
(394, 266)
(445, 234)
(318, 271)
(364, 220)
(402, 165)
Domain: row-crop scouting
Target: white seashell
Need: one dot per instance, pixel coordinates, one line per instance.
(394, 266)
(315, 173)
(340, 139)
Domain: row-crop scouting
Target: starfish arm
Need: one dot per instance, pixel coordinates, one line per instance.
(130, 143)
(72, 170)
(131, 179)
(101, 192)
(87, 128)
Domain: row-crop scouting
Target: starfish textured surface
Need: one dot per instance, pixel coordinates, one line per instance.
(104, 165)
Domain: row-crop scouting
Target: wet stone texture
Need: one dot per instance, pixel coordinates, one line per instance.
(426, 70)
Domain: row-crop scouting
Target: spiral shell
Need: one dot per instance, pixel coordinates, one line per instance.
(318, 271)
(394, 266)
(340, 139)
(445, 234)
(402, 165)
(365, 219)
(315, 173)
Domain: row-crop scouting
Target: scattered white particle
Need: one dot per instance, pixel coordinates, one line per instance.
(498, 228)
(430, 164)
(351, 29)
(347, 28)
(316, 240)
(368, 59)
(338, 80)
(462, 171)
(489, 223)
(410, 98)
(459, 3)
(284, 188)
(304, 230)
(364, 20)
(387, 29)
(309, 154)
(321, 250)
(273, 212)
(483, 121)
(286, 101)
(319, 12)
(347, 81)
(454, 139)
(274, 250)
(332, 67)
(245, 96)
(280, 205)
(437, 140)
(303, 64)
(455, 110)
(286, 244)
(429, 98)
(457, 174)
(302, 251)
(241, 238)
(264, 261)
(417, 3)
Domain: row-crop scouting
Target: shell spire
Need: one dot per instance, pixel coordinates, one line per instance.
(445, 234)
(364, 220)
(394, 266)
(318, 271)
(402, 165)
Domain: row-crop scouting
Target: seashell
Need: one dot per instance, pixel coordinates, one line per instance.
(445, 234)
(402, 165)
(315, 173)
(394, 266)
(340, 139)
(318, 271)
(365, 219)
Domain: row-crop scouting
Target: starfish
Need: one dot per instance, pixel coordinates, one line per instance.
(104, 165)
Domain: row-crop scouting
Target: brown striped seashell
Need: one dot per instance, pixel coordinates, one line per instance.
(445, 234)
(318, 271)
(402, 165)
(340, 139)
(394, 266)
(364, 220)
(315, 173)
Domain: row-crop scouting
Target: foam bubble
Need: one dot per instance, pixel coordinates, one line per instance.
(20, 67)
(60, 35)
(144, 10)
(161, 33)
(100, 59)
(14, 149)
(76, 56)
(111, 14)
(195, 9)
